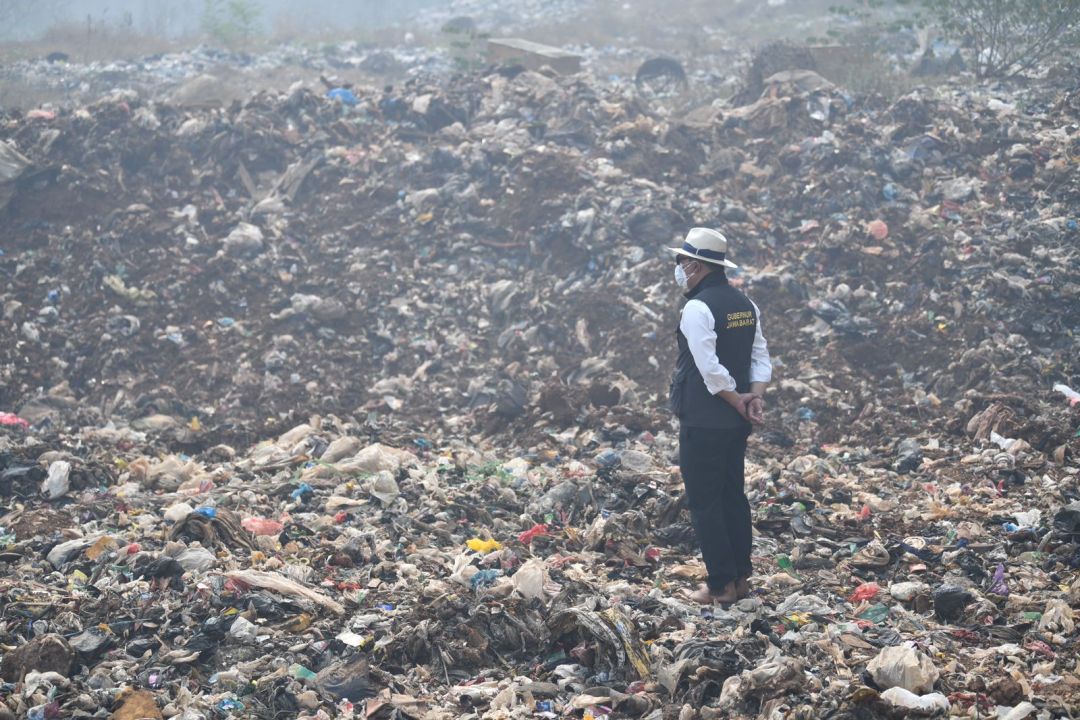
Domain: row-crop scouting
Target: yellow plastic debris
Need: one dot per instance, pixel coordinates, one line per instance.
(483, 546)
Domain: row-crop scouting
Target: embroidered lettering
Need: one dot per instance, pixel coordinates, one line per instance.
(739, 319)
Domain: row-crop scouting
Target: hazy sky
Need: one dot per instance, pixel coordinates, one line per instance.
(23, 19)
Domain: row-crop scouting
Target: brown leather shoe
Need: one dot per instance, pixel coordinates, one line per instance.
(742, 587)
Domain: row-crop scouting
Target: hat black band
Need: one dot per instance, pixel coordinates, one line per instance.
(707, 254)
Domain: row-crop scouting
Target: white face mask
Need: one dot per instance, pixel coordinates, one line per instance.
(681, 278)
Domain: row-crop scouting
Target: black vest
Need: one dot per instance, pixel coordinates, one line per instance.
(736, 325)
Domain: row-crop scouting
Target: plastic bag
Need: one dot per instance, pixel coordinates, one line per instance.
(530, 578)
(866, 591)
(903, 666)
(262, 526)
(57, 483)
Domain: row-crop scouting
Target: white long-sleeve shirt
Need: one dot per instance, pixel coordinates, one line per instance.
(699, 327)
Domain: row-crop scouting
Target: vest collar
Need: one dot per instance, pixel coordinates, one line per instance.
(710, 280)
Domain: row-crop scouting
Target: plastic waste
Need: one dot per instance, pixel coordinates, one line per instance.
(483, 546)
(1019, 712)
(950, 601)
(281, 584)
(229, 705)
(906, 591)
(262, 526)
(1057, 617)
(12, 420)
(177, 512)
(530, 578)
(877, 229)
(57, 483)
(300, 672)
(785, 564)
(609, 459)
(877, 614)
(484, 578)
(249, 369)
(197, 559)
(538, 530)
(866, 591)
(929, 704)
(302, 492)
(998, 585)
(908, 456)
(905, 667)
(244, 240)
(343, 95)
(243, 630)
(1071, 395)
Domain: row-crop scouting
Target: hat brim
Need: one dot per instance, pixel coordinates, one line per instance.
(684, 253)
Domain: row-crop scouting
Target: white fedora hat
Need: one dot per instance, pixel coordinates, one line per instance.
(706, 245)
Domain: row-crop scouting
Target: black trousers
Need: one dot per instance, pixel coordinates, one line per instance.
(713, 468)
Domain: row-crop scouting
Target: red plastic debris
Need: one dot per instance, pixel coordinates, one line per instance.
(866, 591)
(11, 420)
(533, 532)
(877, 229)
(1038, 646)
(262, 526)
(235, 585)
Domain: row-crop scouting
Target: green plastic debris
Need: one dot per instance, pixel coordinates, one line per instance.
(876, 614)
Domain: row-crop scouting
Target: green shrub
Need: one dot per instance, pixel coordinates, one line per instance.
(467, 46)
(1011, 37)
(1006, 38)
(231, 22)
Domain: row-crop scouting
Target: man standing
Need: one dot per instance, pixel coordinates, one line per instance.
(717, 393)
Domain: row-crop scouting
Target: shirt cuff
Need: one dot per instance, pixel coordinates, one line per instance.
(718, 385)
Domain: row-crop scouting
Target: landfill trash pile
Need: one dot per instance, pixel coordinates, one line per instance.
(447, 306)
(208, 76)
